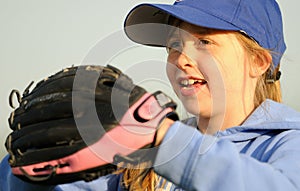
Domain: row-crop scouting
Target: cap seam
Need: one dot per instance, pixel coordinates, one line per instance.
(213, 14)
(236, 11)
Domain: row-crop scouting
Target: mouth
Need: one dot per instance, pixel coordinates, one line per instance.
(191, 82)
(190, 86)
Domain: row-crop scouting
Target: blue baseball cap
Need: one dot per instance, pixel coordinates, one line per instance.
(261, 20)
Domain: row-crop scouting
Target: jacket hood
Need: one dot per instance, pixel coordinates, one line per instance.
(269, 116)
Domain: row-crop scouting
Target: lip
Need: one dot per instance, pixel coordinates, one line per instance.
(179, 79)
(191, 89)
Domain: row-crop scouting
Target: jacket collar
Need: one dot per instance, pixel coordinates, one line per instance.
(269, 116)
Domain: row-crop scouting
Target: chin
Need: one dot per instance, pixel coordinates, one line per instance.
(192, 107)
(197, 108)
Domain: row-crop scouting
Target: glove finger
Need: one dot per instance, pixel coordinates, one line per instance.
(45, 154)
(36, 133)
(60, 82)
(28, 143)
(35, 112)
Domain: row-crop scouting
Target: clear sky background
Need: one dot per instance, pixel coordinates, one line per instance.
(40, 37)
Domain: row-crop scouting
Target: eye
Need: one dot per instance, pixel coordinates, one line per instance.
(202, 43)
(174, 45)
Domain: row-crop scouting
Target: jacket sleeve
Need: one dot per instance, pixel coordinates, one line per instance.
(194, 161)
(8, 182)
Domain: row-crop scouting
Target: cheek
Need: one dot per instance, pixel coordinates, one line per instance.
(234, 71)
(171, 72)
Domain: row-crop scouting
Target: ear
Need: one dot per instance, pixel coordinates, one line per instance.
(261, 63)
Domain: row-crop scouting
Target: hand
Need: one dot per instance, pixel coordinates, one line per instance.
(162, 130)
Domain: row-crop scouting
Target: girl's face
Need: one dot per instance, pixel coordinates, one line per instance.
(210, 73)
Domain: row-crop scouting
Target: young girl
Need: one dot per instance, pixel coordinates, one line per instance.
(223, 64)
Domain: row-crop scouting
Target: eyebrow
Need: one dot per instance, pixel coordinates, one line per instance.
(197, 29)
(189, 28)
(201, 30)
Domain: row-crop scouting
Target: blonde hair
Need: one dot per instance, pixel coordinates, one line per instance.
(139, 178)
(265, 88)
(132, 178)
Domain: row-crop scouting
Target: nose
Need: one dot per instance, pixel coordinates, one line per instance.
(183, 61)
(183, 55)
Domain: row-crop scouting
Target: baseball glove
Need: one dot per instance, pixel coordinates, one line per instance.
(78, 123)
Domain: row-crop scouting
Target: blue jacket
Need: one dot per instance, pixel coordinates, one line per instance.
(261, 154)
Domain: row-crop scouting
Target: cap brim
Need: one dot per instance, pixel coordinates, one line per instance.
(147, 23)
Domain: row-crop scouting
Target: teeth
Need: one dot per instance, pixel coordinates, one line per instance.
(187, 82)
(190, 82)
